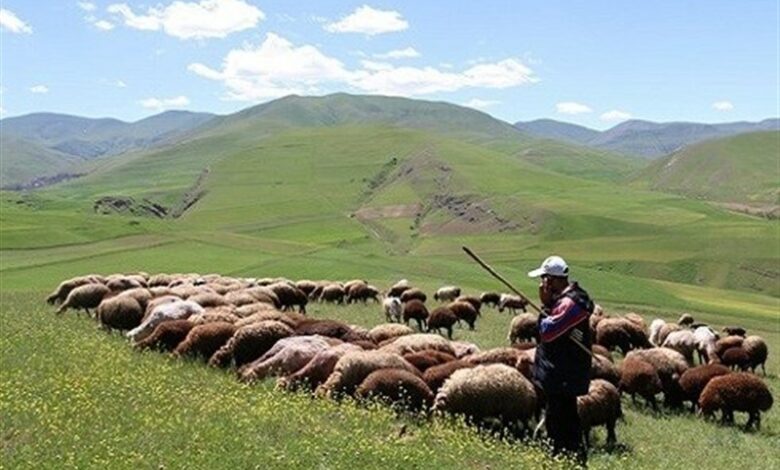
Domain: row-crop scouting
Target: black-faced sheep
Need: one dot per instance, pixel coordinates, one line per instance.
(352, 368)
(447, 294)
(84, 297)
(398, 388)
(693, 380)
(435, 376)
(285, 357)
(494, 391)
(249, 343)
(204, 340)
(736, 358)
(318, 369)
(757, 350)
(333, 294)
(393, 309)
(442, 317)
(670, 365)
(490, 298)
(121, 312)
(424, 360)
(600, 407)
(418, 342)
(387, 331)
(176, 310)
(736, 392)
(166, 336)
(512, 303)
(464, 311)
(524, 327)
(413, 294)
(639, 377)
(415, 310)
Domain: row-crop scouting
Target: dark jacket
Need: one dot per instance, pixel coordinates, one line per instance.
(561, 366)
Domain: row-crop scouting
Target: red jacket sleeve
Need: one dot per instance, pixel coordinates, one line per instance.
(565, 314)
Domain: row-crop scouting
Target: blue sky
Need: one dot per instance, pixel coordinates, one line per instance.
(590, 62)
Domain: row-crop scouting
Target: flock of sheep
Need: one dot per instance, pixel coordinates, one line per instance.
(251, 325)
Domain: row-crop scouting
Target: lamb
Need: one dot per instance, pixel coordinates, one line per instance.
(121, 312)
(415, 310)
(204, 340)
(447, 293)
(464, 311)
(736, 358)
(177, 310)
(682, 341)
(693, 380)
(413, 294)
(670, 365)
(736, 392)
(757, 351)
(387, 331)
(398, 388)
(249, 343)
(333, 293)
(85, 297)
(424, 360)
(318, 369)
(489, 391)
(354, 367)
(600, 407)
(285, 357)
(166, 336)
(418, 342)
(393, 309)
(620, 333)
(435, 376)
(512, 303)
(524, 327)
(490, 298)
(734, 331)
(442, 317)
(639, 377)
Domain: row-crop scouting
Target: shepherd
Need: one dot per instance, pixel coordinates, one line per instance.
(562, 366)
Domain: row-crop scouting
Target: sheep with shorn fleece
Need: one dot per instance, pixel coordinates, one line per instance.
(734, 331)
(416, 310)
(398, 388)
(512, 303)
(249, 343)
(85, 297)
(639, 377)
(285, 357)
(682, 341)
(413, 294)
(204, 340)
(386, 331)
(670, 365)
(464, 311)
(333, 294)
(393, 309)
(435, 376)
(418, 342)
(121, 312)
(741, 391)
(524, 327)
(490, 298)
(352, 368)
(176, 310)
(695, 379)
(599, 407)
(317, 370)
(757, 350)
(508, 356)
(493, 391)
(166, 336)
(736, 358)
(602, 368)
(424, 360)
(619, 333)
(289, 296)
(446, 293)
(442, 317)
(470, 299)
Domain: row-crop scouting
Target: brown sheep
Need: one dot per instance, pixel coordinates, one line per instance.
(289, 296)
(757, 350)
(736, 358)
(512, 303)
(354, 367)
(490, 298)
(285, 357)
(362, 292)
(740, 391)
(249, 343)
(734, 331)
(620, 333)
(333, 293)
(85, 297)
(670, 365)
(398, 388)
(442, 317)
(639, 377)
(475, 302)
(464, 311)
(508, 356)
(246, 311)
(728, 342)
(424, 360)
(418, 342)
(599, 407)
(330, 328)
(524, 327)
(236, 297)
(306, 286)
(212, 299)
(204, 340)
(415, 310)
(413, 294)
(387, 331)
(602, 368)
(142, 295)
(121, 312)
(166, 336)
(264, 295)
(435, 376)
(601, 350)
(317, 370)
(399, 288)
(695, 379)
(63, 289)
(686, 320)
(220, 314)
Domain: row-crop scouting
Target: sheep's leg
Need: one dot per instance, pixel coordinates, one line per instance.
(449, 332)
(611, 437)
(763, 368)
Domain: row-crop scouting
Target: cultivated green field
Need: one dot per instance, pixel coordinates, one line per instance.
(290, 193)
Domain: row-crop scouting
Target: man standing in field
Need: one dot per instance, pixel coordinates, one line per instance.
(562, 367)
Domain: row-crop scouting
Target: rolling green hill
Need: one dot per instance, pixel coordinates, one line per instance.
(739, 169)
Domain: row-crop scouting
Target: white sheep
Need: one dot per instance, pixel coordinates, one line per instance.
(447, 293)
(177, 310)
(393, 308)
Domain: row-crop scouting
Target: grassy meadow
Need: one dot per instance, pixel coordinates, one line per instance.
(368, 201)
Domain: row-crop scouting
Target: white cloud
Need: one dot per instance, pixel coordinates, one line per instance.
(39, 89)
(191, 20)
(406, 53)
(367, 20)
(480, 104)
(12, 23)
(572, 108)
(723, 106)
(87, 6)
(104, 25)
(120, 84)
(615, 116)
(277, 67)
(161, 104)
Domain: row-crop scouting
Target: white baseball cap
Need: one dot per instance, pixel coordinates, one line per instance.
(552, 266)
